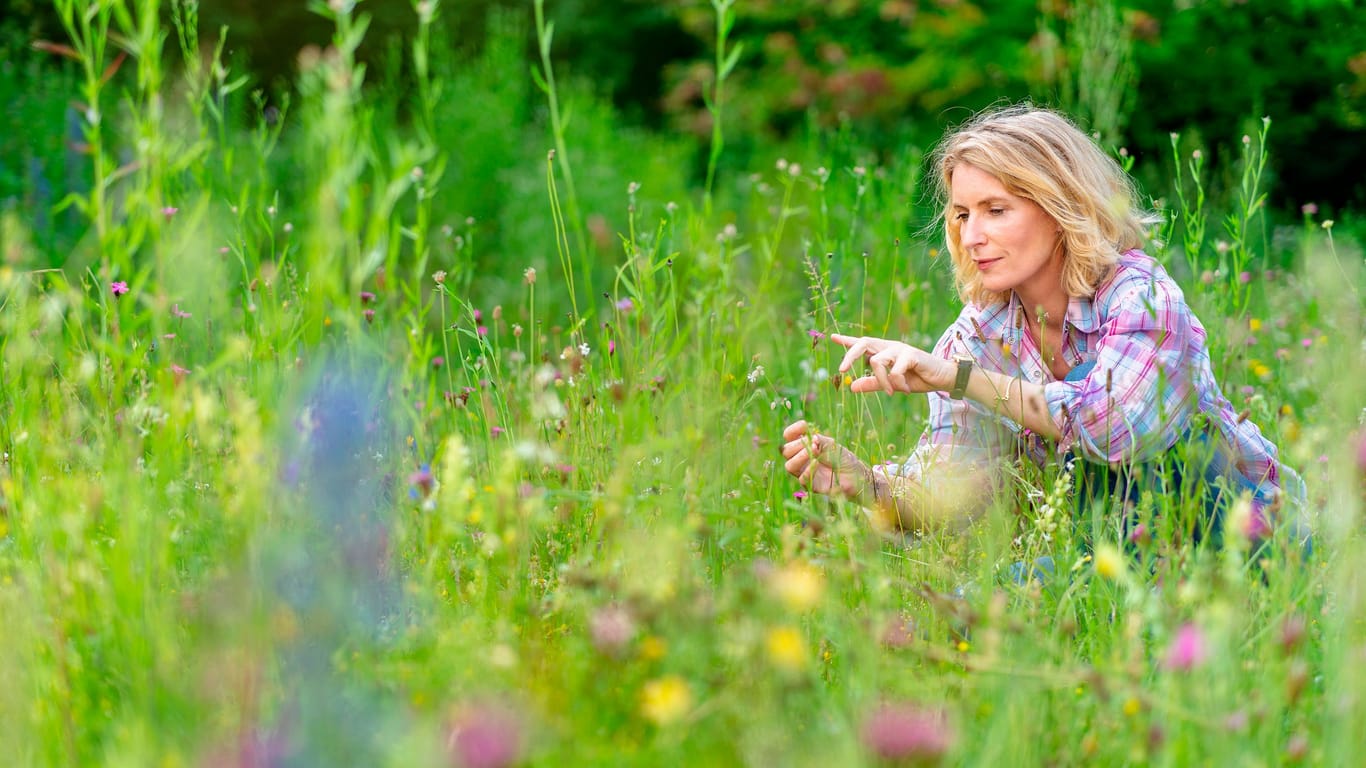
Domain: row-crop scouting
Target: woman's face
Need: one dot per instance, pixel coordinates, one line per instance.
(1012, 242)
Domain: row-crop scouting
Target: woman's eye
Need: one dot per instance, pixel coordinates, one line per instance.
(997, 211)
(960, 216)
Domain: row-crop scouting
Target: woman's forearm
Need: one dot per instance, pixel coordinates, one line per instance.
(1014, 398)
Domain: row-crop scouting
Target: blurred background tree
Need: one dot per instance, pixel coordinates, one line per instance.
(890, 72)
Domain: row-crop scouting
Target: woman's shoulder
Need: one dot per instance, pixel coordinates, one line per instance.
(1137, 273)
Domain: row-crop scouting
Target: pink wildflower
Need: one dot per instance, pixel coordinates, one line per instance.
(611, 628)
(176, 311)
(1188, 649)
(169, 211)
(118, 287)
(484, 736)
(906, 733)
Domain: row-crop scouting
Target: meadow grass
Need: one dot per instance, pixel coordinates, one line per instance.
(354, 432)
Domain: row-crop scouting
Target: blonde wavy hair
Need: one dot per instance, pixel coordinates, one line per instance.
(1042, 156)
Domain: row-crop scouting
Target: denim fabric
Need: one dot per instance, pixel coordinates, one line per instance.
(1218, 484)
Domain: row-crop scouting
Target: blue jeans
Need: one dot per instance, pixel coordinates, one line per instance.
(1197, 466)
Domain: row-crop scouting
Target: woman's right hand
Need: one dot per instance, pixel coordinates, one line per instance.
(823, 465)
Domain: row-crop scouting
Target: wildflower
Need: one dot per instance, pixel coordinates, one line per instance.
(798, 495)
(1139, 535)
(584, 349)
(496, 431)
(1244, 277)
(1292, 633)
(906, 733)
(1361, 450)
(625, 305)
(438, 361)
(653, 648)
(484, 736)
(611, 347)
(169, 211)
(179, 373)
(1188, 649)
(665, 700)
(1109, 563)
(482, 330)
(898, 633)
(118, 287)
(366, 297)
(369, 315)
(798, 586)
(755, 374)
(439, 277)
(816, 337)
(612, 629)
(177, 312)
(1254, 325)
(529, 276)
(422, 480)
(786, 649)
(1327, 224)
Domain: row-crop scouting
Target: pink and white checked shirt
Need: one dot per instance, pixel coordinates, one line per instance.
(1151, 379)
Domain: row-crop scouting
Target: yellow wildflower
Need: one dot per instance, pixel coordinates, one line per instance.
(1109, 562)
(652, 648)
(786, 649)
(665, 700)
(798, 586)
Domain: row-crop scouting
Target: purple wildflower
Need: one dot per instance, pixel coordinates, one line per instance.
(422, 480)
(366, 297)
(625, 305)
(118, 287)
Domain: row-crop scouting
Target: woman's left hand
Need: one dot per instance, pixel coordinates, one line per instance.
(896, 366)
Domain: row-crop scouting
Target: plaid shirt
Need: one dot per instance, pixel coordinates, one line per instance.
(1151, 378)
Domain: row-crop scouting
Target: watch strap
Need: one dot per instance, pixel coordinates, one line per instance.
(960, 384)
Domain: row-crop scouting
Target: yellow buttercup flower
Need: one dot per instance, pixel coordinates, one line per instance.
(1109, 562)
(665, 700)
(652, 648)
(786, 649)
(798, 586)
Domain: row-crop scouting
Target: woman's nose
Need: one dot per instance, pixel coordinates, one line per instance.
(970, 232)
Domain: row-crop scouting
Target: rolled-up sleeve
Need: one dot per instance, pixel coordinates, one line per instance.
(1139, 398)
(962, 433)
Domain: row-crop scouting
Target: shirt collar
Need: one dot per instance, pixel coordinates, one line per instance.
(1081, 314)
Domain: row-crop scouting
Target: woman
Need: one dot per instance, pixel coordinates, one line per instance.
(1069, 332)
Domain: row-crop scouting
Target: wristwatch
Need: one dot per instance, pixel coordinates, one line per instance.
(960, 384)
